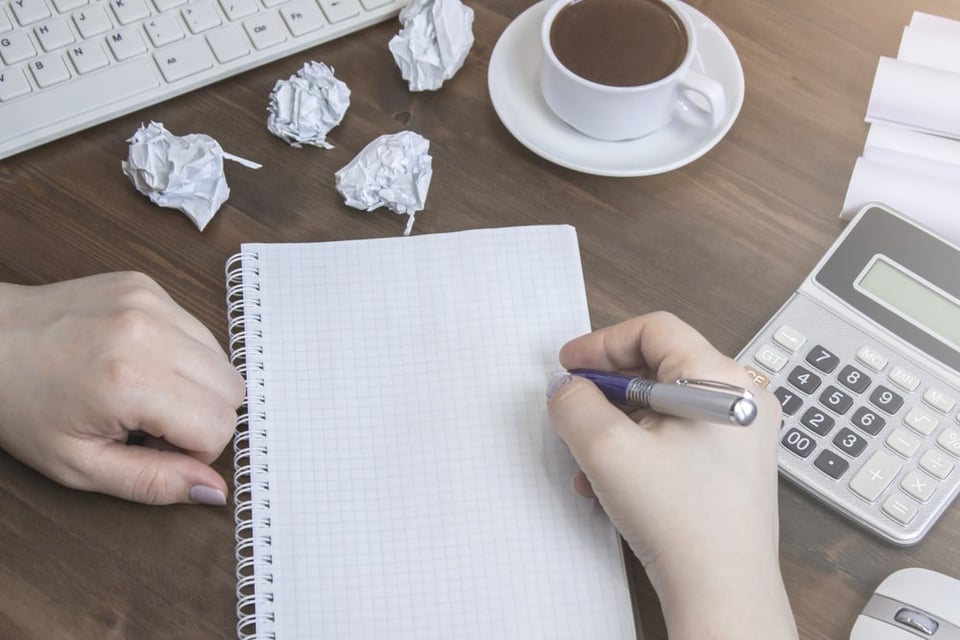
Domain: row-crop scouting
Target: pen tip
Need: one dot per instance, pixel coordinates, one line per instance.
(557, 380)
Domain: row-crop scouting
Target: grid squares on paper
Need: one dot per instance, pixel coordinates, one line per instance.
(417, 490)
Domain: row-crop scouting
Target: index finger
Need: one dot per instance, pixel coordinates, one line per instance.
(658, 341)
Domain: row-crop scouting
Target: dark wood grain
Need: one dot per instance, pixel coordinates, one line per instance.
(721, 242)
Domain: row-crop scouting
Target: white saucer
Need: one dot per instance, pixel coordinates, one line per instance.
(513, 79)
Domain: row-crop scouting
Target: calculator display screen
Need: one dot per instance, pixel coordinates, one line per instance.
(912, 298)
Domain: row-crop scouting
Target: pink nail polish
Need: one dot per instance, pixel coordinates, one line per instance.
(202, 494)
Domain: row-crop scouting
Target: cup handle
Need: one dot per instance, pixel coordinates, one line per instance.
(713, 95)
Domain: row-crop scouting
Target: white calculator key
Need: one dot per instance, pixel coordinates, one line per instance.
(918, 485)
(54, 34)
(950, 441)
(129, 11)
(875, 475)
(49, 71)
(900, 508)
(770, 358)
(338, 10)
(88, 57)
(92, 20)
(904, 379)
(921, 420)
(183, 59)
(903, 442)
(229, 43)
(936, 463)
(789, 338)
(13, 84)
(29, 11)
(871, 358)
(302, 16)
(15, 47)
(939, 400)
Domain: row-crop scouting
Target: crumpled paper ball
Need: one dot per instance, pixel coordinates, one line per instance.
(392, 171)
(433, 43)
(304, 108)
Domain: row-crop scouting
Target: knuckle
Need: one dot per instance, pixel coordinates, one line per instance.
(150, 485)
(121, 373)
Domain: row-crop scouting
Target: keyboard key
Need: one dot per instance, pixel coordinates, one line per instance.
(265, 31)
(900, 508)
(340, 10)
(904, 379)
(849, 442)
(921, 421)
(166, 5)
(65, 6)
(903, 442)
(163, 30)
(183, 59)
(54, 34)
(126, 43)
(92, 21)
(871, 358)
(201, 16)
(804, 379)
(836, 400)
(129, 11)
(229, 43)
(302, 16)
(936, 463)
(13, 84)
(373, 4)
(868, 421)
(799, 443)
(770, 358)
(49, 71)
(15, 47)
(822, 359)
(939, 400)
(788, 400)
(817, 421)
(236, 9)
(88, 57)
(5, 23)
(29, 11)
(875, 475)
(854, 379)
(789, 338)
(919, 486)
(885, 399)
(831, 464)
(949, 440)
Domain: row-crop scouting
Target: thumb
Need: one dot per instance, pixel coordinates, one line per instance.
(154, 476)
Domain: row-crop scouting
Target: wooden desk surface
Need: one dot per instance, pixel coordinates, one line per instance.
(721, 242)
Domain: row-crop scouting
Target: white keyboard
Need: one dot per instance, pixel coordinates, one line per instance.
(66, 65)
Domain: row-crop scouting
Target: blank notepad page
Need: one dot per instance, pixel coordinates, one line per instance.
(416, 489)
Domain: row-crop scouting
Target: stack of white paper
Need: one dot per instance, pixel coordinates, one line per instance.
(911, 159)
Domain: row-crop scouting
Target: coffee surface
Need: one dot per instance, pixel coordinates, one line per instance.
(621, 43)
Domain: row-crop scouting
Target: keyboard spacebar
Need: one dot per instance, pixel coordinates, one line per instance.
(102, 90)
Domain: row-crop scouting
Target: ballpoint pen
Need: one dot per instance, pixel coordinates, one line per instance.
(696, 399)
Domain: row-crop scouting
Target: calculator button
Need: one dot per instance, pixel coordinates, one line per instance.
(822, 359)
(886, 399)
(769, 358)
(875, 475)
(939, 400)
(868, 421)
(834, 398)
(849, 442)
(900, 508)
(789, 338)
(903, 442)
(804, 379)
(799, 443)
(788, 400)
(949, 440)
(817, 421)
(904, 379)
(854, 379)
(936, 464)
(921, 421)
(759, 379)
(919, 486)
(871, 358)
(831, 464)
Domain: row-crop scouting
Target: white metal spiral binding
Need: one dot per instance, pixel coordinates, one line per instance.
(255, 613)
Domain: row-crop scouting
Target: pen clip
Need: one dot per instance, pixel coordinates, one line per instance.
(714, 385)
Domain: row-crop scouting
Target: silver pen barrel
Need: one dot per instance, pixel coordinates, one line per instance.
(695, 403)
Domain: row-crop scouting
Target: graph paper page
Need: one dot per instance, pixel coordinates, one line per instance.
(417, 490)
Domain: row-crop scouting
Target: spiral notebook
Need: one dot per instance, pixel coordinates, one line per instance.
(396, 476)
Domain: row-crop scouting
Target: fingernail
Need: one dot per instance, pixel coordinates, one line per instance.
(202, 494)
(557, 380)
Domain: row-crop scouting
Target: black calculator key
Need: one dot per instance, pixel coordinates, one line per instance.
(868, 421)
(789, 400)
(849, 442)
(799, 443)
(886, 399)
(817, 421)
(854, 379)
(804, 379)
(831, 464)
(835, 399)
(823, 359)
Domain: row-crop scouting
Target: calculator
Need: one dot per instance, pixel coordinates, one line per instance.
(865, 360)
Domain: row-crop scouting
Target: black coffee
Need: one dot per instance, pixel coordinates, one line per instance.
(621, 43)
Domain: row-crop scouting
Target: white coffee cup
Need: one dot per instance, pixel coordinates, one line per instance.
(627, 112)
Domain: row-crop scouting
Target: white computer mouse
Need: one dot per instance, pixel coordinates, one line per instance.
(911, 604)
